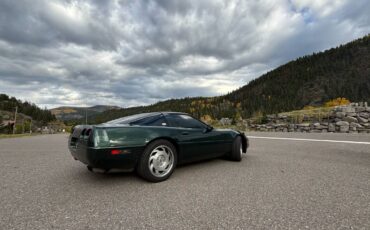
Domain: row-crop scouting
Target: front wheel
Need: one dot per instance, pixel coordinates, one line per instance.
(158, 161)
(237, 149)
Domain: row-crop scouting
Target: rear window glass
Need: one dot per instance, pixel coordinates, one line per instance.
(130, 119)
(184, 121)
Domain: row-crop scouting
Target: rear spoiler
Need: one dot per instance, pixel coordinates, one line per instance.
(93, 136)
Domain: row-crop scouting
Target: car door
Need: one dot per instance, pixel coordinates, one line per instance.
(195, 141)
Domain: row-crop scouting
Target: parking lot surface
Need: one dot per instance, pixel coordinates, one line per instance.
(280, 184)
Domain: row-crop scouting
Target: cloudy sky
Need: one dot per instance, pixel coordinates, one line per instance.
(137, 52)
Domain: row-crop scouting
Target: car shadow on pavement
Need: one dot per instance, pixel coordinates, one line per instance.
(203, 166)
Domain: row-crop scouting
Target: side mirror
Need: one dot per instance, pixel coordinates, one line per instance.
(208, 129)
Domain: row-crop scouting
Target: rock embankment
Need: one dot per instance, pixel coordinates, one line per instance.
(353, 118)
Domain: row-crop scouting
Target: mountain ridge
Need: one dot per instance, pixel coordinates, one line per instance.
(66, 113)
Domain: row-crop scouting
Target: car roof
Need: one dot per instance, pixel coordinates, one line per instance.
(139, 116)
(143, 115)
(170, 112)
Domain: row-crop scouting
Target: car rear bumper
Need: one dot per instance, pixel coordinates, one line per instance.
(102, 158)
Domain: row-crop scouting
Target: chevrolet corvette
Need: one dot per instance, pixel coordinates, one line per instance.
(153, 144)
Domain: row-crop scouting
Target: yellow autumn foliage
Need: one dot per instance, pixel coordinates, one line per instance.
(206, 118)
(336, 102)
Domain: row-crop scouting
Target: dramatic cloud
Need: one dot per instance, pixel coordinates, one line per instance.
(130, 53)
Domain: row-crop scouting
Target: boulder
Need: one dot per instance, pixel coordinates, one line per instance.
(362, 120)
(350, 119)
(340, 114)
(354, 124)
(364, 115)
(348, 109)
(332, 114)
(342, 123)
(282, 116)
(344, 128)
(331, 127)
(360, 109)
(351, 114)
(314, 131)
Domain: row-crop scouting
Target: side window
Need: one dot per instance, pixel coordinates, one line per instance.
(158, 122)
(151, 121)
(184, 121)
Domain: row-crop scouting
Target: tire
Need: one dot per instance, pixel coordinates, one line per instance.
(236, 151)
(158, 161)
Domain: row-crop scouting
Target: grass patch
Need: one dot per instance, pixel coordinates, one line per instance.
(313, 111)
(306, 115)
(313, 114)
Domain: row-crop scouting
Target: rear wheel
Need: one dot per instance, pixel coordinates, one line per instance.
(237, 149)
(157, 161)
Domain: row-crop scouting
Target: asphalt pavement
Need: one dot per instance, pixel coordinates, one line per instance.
(280, 184)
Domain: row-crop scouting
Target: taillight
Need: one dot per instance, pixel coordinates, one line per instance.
(116, 151)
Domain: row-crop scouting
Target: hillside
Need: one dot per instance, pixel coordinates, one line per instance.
(310, 80)
(72, 113)
(9, 103)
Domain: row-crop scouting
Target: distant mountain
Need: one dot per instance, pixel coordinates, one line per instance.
(66, 113)
(310, 80)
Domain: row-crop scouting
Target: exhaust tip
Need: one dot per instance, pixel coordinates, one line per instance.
(97, 170)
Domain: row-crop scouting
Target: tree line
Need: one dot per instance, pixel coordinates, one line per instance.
(30, 109)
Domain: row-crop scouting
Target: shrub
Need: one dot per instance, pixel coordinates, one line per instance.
(336, 102)
(308, 107)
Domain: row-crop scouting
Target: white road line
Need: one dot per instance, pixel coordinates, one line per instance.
(314, 140)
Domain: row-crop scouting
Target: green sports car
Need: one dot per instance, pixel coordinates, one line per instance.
(153, 144)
